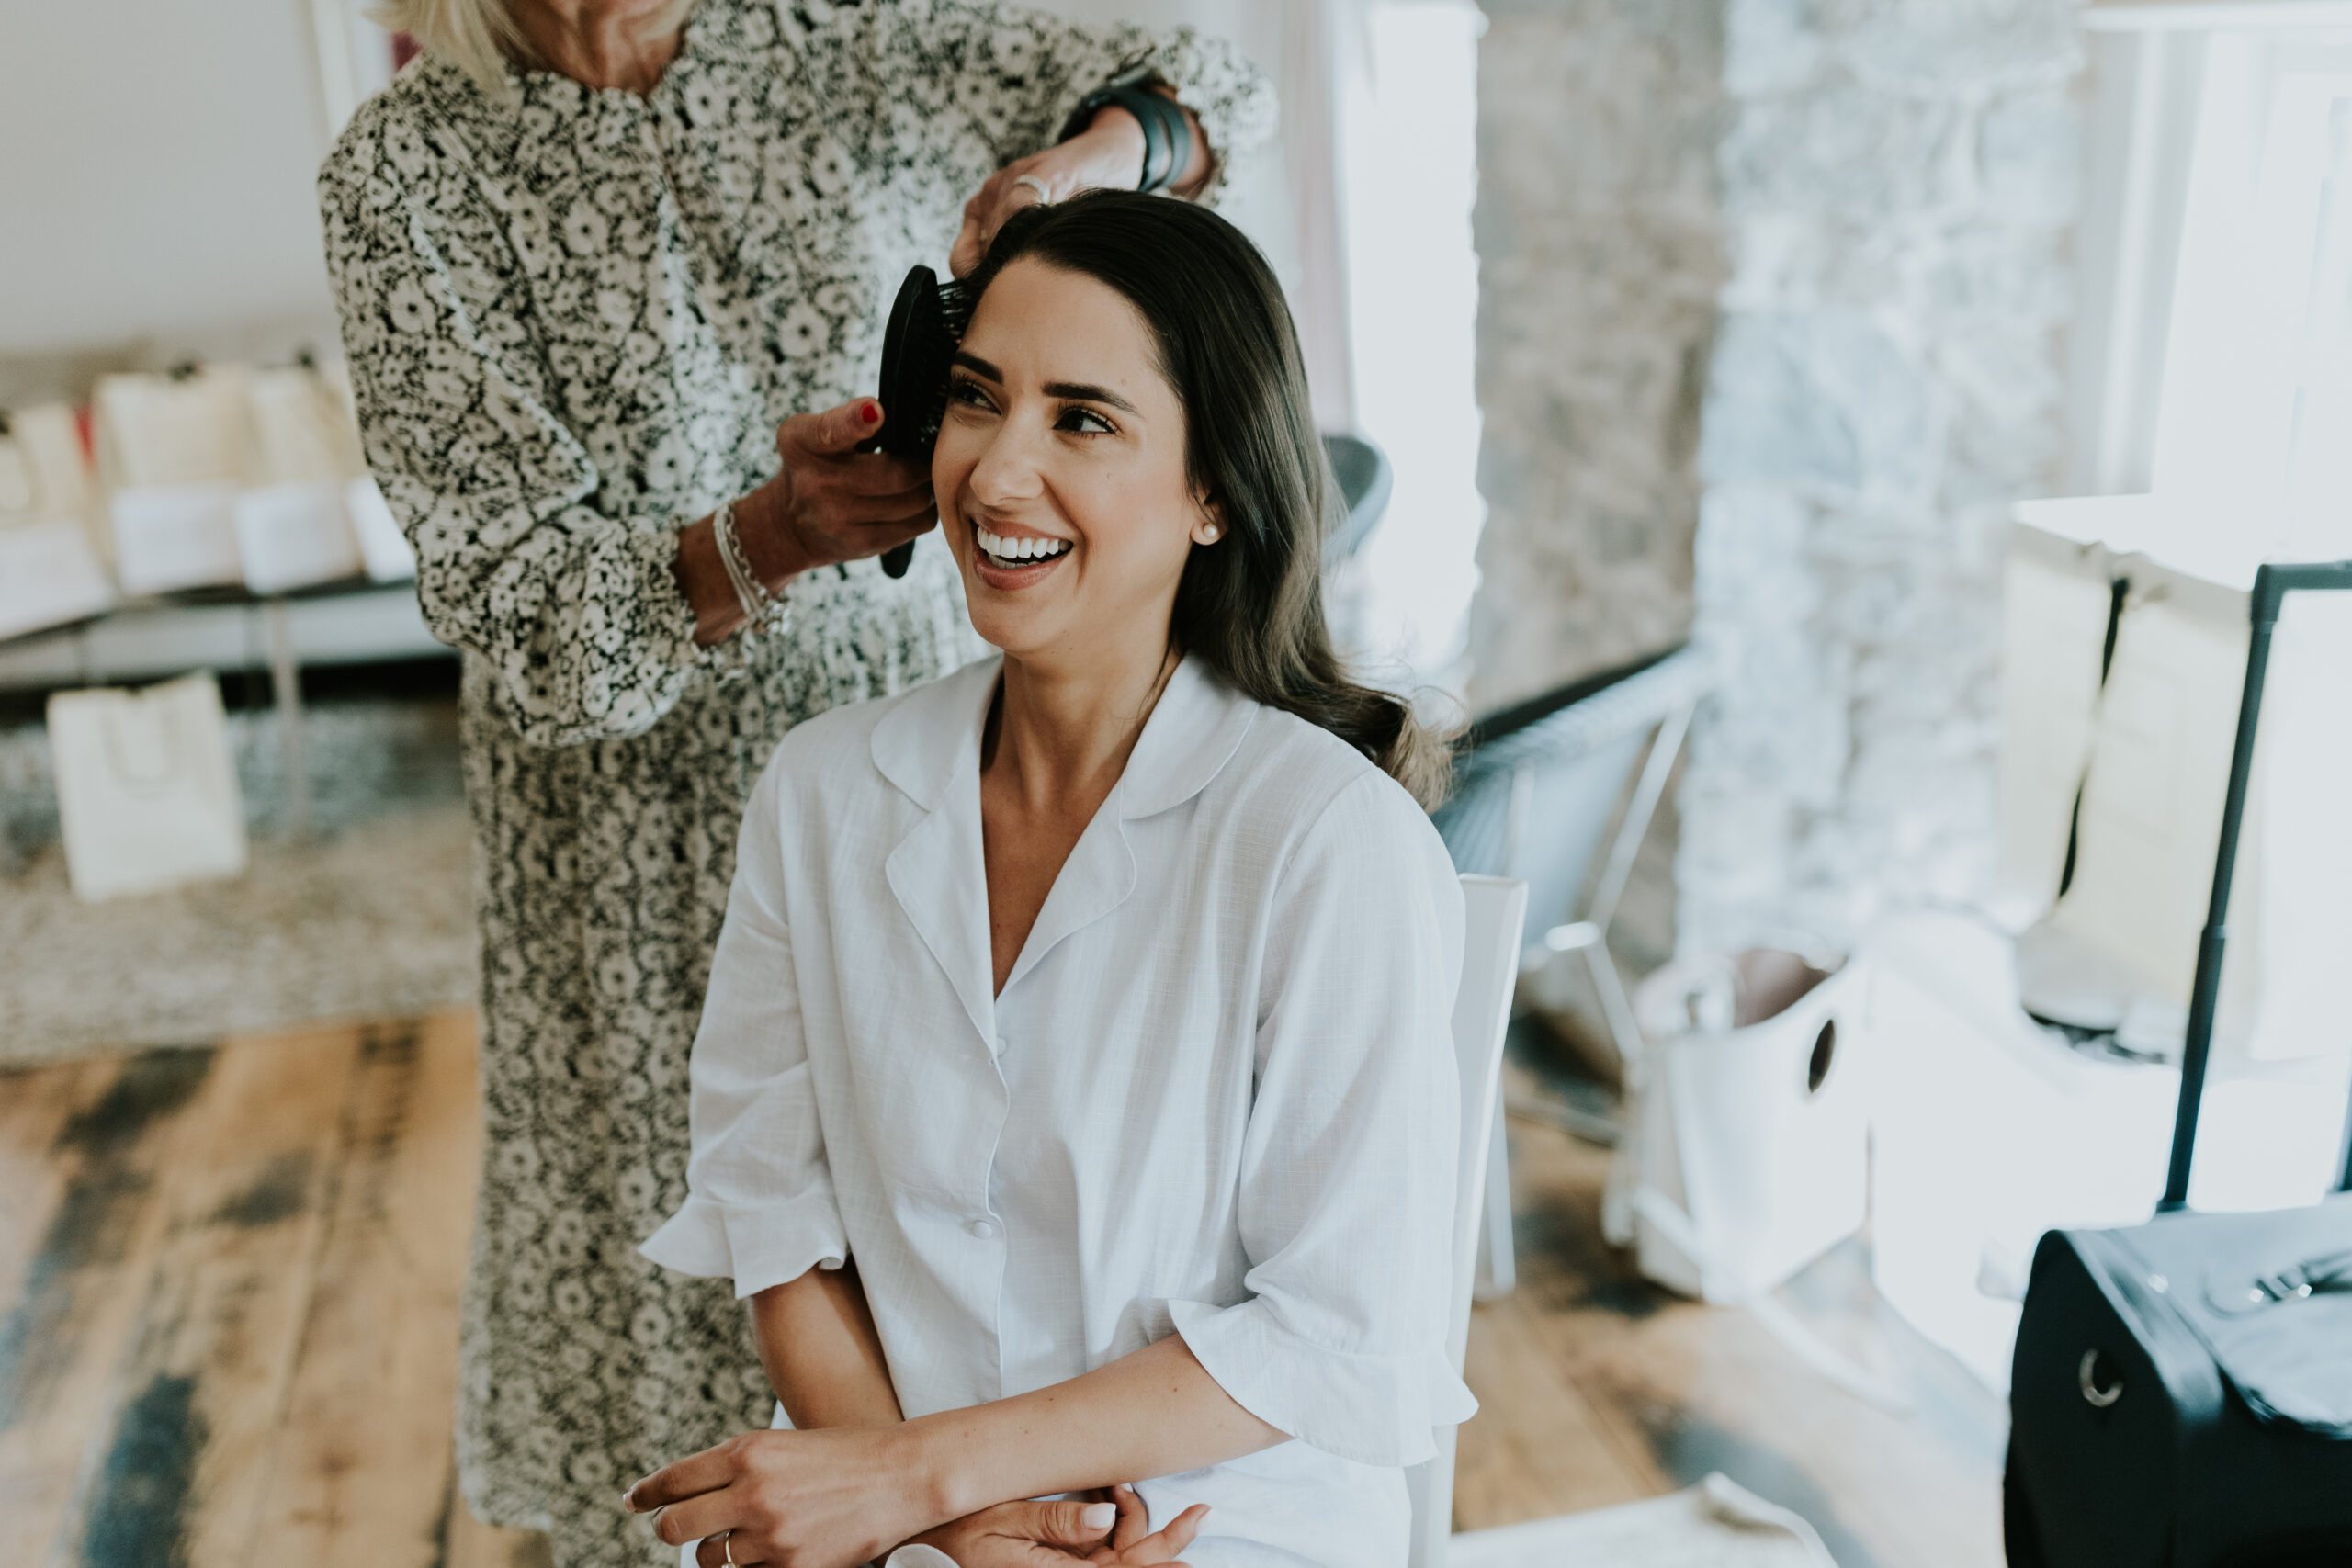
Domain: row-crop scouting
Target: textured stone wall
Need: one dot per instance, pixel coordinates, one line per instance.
(1898, 181)
(1791, 274)
(1601, 256)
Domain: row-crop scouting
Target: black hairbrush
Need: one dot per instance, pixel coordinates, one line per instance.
(927, 321)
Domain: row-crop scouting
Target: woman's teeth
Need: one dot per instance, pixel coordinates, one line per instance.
(1004, 552)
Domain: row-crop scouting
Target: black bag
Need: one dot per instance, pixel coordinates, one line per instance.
(2181, 1395)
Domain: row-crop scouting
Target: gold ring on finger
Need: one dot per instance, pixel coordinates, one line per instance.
(727, 1547)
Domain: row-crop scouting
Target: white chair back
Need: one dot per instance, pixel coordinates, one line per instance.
(1493, 909)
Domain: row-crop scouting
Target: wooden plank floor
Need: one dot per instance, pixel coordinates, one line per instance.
(1598, 1388)
(229, 1279)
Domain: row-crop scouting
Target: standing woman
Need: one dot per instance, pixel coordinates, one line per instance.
(608, 270)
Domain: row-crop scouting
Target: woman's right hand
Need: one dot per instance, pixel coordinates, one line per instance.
(831, 503)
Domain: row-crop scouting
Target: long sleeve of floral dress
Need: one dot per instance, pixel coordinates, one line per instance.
(1013, 75)
(575, 318)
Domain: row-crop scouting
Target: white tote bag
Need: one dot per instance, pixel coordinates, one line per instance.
(49, 575)
(51, 571)
(293, 529)
(381, 544)
(172, 454)
(145, 790)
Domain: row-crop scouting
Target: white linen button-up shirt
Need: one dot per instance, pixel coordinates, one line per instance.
(1216, 1095)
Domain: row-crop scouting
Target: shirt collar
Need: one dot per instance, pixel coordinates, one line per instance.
(932, 739)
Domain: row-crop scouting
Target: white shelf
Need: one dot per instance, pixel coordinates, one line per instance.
(2216, 16)
(151, 640)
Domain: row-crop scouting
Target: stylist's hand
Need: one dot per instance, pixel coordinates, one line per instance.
(1108, 152)
(831, 503)
(827, 1499)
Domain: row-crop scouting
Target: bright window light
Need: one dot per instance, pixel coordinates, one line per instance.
(2254, 424)
(1408, 167)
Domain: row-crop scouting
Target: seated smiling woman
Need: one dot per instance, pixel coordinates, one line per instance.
(1074, 1098)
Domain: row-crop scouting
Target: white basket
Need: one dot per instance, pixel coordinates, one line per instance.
(1748, 1149)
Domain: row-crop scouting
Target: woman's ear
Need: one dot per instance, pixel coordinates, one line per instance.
(1209, 528)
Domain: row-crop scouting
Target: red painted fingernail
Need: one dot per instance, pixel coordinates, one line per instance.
(871, 413)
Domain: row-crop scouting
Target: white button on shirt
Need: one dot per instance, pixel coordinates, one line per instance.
(1231, 1115)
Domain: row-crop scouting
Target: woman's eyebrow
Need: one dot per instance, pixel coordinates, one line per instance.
(1081, 392)
(1071, 392)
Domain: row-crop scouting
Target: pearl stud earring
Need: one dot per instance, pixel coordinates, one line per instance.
(1209, 533)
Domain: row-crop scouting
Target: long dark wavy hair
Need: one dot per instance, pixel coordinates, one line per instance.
(1252, 604)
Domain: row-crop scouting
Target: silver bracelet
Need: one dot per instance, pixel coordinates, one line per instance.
(751, 594)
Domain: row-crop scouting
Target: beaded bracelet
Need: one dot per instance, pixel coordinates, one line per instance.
(751, 594)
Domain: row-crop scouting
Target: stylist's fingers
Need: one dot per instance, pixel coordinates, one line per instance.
(843, 503)
(972, 239)
(872, 538)
(1001, 196)
(896, 526)
(881, 536)
(868, 473)
(834, 432)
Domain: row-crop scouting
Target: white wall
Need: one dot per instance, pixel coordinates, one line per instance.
(162, 195)
(156, 182)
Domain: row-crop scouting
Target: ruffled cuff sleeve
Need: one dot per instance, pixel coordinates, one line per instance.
(1346, 1201)
(755, 1244)
(759, 1206)
(1374, 1409)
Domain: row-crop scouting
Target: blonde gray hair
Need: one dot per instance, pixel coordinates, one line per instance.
(480, 37)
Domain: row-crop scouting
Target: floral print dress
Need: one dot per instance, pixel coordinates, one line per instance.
(574, 318)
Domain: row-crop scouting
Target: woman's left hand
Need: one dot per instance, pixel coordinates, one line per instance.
(1108, 152)
(819, 1499)
(1054, 1535)
(1131, 1547)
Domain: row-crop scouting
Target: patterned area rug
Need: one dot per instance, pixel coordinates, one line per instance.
(1713, 1525)
(375, 921)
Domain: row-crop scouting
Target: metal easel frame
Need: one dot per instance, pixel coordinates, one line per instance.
(1690, 674)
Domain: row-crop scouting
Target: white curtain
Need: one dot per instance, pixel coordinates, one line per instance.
(1289, 203)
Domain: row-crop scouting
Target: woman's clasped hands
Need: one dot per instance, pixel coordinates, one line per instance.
(840, 1496)
(1054, 1535)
